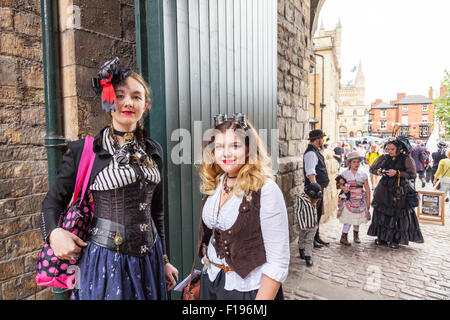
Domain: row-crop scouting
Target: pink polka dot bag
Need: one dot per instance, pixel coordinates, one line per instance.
(51, 271)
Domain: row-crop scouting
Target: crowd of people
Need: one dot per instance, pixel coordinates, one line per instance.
(394, 167)
(426, 162)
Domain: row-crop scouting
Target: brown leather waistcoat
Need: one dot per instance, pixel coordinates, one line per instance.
(242, 245)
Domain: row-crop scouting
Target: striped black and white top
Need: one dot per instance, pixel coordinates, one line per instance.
(115, 176)
(306, 212)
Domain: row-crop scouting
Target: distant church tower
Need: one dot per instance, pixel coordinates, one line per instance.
(354, 113)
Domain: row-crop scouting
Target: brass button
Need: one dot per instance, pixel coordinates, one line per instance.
(244, 208)
(227, 253)
(230, 232)
(225, 242)
(226, 248)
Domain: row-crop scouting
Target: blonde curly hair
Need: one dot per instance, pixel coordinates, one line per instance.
(253, 173)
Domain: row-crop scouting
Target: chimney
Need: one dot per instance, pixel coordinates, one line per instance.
(392, 102)
(430, 93)
(442, 91)
(400, 96)
(378, 101)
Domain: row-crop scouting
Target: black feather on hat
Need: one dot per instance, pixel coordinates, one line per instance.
(110, 74)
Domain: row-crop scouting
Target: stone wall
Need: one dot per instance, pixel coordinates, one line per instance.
(294, 66)
(23, 164)
(89, 35)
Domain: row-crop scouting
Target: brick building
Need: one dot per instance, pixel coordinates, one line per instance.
(407, 115)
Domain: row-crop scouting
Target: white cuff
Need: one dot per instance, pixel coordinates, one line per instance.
(275, 272)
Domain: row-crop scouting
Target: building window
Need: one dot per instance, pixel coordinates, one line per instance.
(424, 131)
(405, 108)
(425, 107)
(354, 122)
(404, 131)
(383, 113)
(424, 118)
(405, 119)
(355, 112)
(383, 125)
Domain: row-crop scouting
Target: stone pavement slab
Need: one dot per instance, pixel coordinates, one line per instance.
(366, 271)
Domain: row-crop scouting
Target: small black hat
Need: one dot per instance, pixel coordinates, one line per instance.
(315, 134)
(442, 144)
(314, 190)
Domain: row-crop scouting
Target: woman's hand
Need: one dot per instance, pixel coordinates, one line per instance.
(65, 244)
(391, 172)
(171, 276)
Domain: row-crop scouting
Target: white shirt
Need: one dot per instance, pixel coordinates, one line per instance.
(360, 176)
(311, 162)
(275, 232)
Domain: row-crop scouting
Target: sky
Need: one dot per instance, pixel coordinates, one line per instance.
(403, 45)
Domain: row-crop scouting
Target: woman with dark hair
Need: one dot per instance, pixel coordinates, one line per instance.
(123, 256)
(394, 220)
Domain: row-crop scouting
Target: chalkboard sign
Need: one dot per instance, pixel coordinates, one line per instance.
(431, 206)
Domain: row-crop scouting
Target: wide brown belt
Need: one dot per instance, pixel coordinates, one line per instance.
(223, 267)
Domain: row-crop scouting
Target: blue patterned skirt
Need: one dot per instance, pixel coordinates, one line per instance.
(106, 275)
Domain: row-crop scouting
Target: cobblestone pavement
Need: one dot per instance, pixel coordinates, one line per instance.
(366, 271)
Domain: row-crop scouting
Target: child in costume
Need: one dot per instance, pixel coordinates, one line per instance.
(355, 209)
(306, 211)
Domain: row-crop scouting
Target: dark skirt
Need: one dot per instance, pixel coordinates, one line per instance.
(393, 223)
(106, 275)
(215, 290)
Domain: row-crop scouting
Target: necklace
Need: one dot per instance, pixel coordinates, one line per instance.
(118, 240)
(121, 134)
(226, 188)
(227, 191)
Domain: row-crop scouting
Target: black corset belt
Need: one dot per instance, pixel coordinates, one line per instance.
(125, 212)
(103, 232)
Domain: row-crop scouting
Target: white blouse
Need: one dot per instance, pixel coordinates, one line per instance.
(275, 232)
(360, 176)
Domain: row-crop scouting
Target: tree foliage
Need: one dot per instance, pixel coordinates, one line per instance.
(442, 104)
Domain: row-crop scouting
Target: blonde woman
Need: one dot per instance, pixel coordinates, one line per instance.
(243, 234)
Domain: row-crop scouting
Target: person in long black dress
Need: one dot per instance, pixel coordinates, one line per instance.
(394, 220)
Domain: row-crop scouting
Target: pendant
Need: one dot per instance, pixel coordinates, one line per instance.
(128, 137)
(118, 240)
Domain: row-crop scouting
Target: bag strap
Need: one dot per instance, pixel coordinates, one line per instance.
(84, 168)
(192, 273)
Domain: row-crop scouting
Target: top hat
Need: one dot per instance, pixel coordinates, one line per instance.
(316, 134)
(314, 190)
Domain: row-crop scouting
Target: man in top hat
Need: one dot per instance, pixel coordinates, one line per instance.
(315, 171)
